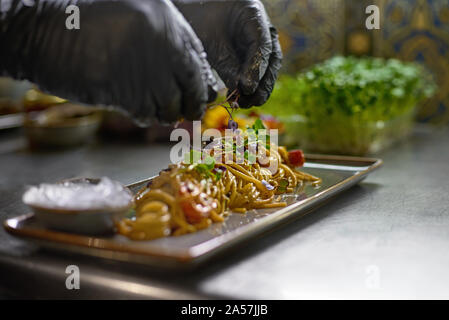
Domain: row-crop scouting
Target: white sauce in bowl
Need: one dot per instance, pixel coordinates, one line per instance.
(106, 194)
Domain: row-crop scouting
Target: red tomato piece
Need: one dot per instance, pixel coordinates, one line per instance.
(193, 203)
(193, 211)
(296, 158)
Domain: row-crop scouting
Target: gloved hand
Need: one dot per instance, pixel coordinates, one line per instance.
(141, 56)
(241, 44)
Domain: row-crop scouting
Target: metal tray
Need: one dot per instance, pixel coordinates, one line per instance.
(338, 174)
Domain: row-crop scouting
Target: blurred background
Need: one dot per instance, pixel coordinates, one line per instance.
(372, 102)
(312, 31)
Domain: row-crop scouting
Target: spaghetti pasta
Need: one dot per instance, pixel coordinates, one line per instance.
(185, 199)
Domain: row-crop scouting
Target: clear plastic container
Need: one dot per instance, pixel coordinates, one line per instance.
(349, 136)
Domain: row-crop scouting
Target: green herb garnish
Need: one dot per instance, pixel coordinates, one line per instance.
(258, 124)
(283, 185)
(205, 168)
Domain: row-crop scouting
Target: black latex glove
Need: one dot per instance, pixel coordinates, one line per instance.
(241, 44)
(141, 56)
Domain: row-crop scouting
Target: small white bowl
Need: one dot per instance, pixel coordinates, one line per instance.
(91, 221)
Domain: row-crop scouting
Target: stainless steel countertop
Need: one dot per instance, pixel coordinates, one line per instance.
(385, 238)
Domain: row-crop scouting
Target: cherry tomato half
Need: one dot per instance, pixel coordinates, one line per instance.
(196, 205)
(296, 158)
